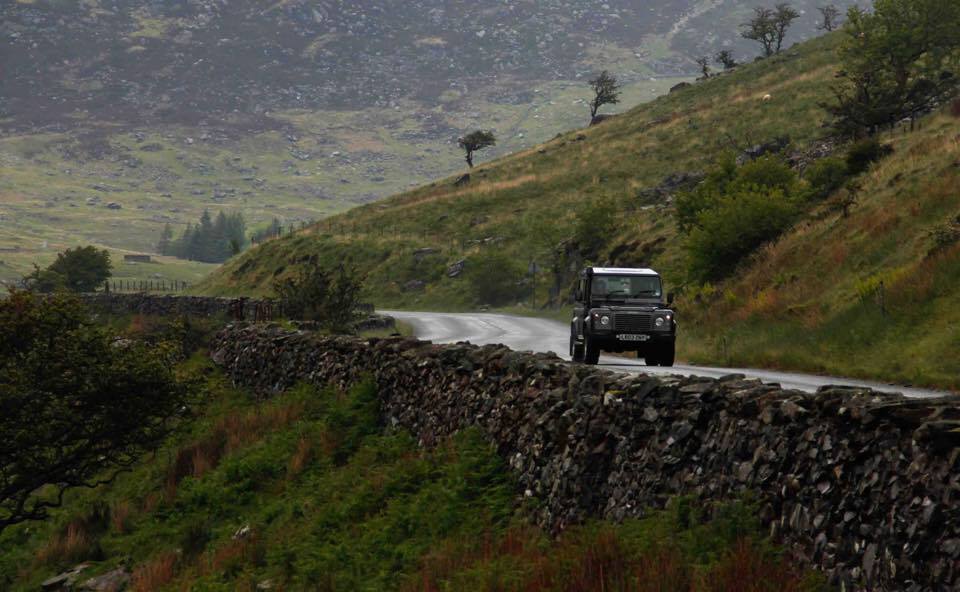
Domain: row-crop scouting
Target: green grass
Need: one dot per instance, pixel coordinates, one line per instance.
(794, 305)
(327, 498)
(170, 174)
(529, 198)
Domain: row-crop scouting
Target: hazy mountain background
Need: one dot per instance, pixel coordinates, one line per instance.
(119, 117)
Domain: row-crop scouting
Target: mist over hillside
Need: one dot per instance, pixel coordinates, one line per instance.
(120, 117)
(67, 61)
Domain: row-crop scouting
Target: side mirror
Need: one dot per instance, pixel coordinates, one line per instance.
(670, 296)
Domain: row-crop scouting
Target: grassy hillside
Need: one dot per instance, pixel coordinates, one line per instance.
(526, 203)
(308, 491)
(797, 305)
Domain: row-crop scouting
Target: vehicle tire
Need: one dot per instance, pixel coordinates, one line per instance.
(576, 350)
(668, 354)
(591, 353)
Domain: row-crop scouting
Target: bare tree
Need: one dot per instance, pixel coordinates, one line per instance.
(606, 91)
(725, 58)
(704, 63)
(475, 141)
(831, 17)
(762, 29)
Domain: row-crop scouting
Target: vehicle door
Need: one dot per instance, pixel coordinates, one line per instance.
(581, 306)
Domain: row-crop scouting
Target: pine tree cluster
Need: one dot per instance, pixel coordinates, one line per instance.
(210, 240)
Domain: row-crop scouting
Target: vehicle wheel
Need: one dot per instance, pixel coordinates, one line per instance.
(591, 354)
(576, 350)
(668, 354)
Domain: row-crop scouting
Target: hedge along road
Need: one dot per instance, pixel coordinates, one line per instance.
(544, 335)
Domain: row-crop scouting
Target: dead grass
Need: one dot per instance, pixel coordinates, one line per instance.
(121, 515)
(154, 574)
(74, 543)
(229, 434)
(599, 561)
(301, 457)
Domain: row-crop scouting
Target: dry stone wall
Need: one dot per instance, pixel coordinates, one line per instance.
(857, 483)
(170, 305)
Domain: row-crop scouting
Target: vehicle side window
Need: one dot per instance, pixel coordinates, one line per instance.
(580, 289)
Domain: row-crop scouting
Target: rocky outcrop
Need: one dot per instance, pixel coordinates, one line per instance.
(857, 483)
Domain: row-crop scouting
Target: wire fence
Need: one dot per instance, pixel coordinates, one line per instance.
(126, 286)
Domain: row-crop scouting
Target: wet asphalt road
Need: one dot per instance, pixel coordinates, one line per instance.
(544, 335)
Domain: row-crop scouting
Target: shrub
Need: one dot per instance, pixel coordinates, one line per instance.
(739, 224)
(495, 278)
(945, 236)
(766, 172)
(595, 222)
(955, 108)
(826, 176)
(690, 204)
(864, 153)
(769, 172)
(330, 297)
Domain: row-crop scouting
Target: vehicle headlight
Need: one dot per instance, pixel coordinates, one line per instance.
(604, 320)
(660, 322)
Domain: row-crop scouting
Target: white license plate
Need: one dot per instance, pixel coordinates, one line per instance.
(633, 337)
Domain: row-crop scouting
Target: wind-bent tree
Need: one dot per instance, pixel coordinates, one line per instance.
(769, 27)
(725, 58)
(704, 63)
(783, 17)
(898, 61)
(830, 17)
(476, 141)
(762, 28)
(76, 407)
(606, 91)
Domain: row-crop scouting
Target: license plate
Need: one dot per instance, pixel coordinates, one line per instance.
(633, 337)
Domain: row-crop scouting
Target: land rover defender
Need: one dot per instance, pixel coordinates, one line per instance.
(622, 310)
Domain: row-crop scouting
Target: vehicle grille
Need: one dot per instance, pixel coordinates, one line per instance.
(632, 323)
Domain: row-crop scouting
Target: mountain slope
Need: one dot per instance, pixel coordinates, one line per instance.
(143, 61)
(514, 202)
(296, 109)
(805, 302)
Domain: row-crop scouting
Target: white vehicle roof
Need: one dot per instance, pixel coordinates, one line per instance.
(623, 271)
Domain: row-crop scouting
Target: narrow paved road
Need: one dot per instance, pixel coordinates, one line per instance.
(544, 335)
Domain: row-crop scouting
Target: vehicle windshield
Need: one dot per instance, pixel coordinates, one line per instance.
(625, 287)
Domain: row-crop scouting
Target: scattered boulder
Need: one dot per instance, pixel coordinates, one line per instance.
(65, 580)
(414, 286)
(775, 146)
(462, 180)
(680, 86)
(456, 269)
(112, 581)
(670, 186)
(419, 254)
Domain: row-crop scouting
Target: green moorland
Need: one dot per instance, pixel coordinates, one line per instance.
(805, 302)
(308, 491)
(56, 189)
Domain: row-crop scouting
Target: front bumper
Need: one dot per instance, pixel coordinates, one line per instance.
(645, 341)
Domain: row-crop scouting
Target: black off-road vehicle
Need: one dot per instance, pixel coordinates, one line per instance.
(622, 310)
